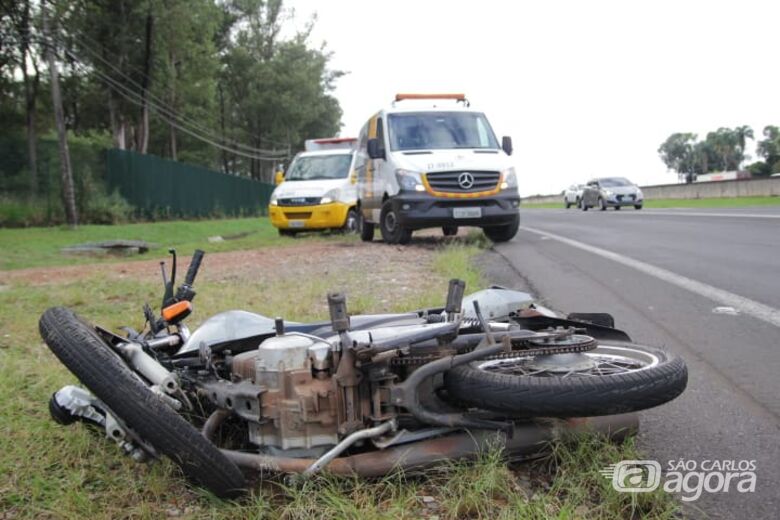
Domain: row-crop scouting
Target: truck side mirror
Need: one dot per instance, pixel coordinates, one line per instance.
(506, 144)
(278, 177)
(375, 151)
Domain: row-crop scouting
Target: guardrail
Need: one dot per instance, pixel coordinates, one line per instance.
(761, 187)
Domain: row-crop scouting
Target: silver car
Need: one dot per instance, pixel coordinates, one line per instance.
(614, 192)
(572, 196)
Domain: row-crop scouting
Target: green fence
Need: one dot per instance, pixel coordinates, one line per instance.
(158, 186)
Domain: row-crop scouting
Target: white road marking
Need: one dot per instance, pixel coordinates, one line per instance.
(744, 305)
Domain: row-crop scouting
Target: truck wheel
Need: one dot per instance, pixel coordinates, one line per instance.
(503, 233)
(366, 230)
(449, 231)
(392, 232)
(351, 223)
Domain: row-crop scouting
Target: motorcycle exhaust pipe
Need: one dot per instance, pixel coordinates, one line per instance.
(529, 439)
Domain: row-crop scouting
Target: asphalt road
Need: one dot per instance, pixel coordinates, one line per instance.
(702, 283)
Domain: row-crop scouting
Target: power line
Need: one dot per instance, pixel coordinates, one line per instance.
(83, 38)
(162, 106)
(136, 99)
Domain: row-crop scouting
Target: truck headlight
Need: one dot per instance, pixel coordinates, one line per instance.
(330, 196)
(409, 180)
(510, 179)
(273, 201)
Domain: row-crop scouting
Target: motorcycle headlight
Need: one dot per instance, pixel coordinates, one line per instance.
(273, 201)
(409, 180)
(510, 179)
(330, 196)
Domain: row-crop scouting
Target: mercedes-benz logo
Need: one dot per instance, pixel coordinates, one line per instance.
(466, 180)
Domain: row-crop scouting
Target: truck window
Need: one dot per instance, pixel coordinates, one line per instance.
(319, 167)
(440, 130)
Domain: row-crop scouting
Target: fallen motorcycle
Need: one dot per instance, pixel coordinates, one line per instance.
(360, 394)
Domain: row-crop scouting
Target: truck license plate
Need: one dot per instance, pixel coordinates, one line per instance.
(466, 212)
(296, 223)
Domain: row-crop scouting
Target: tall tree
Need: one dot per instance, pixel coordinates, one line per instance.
(18, 35)
(68, 191)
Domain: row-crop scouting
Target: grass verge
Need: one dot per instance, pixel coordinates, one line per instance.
(36, 247)
(725, 202)
(48, 471)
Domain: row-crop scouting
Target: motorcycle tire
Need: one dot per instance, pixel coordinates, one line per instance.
(104, 373)
(491, 385)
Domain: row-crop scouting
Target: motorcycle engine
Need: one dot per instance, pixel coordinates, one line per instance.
(298, 409)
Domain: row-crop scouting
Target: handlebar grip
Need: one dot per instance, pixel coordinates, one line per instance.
(192, 271)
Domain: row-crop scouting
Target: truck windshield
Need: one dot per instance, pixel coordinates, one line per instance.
(440, 130)
(316, 167)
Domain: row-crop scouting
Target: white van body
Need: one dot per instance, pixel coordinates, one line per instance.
(319, 190)
(433, 161)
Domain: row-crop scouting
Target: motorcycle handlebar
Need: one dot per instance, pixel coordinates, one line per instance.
(192, 271)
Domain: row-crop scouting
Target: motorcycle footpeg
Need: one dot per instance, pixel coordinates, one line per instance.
(60, 414)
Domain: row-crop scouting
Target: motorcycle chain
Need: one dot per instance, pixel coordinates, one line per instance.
(540, 351)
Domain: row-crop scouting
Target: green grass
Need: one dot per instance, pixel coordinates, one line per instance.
(36, 247)
(49, 471)
(725, 202)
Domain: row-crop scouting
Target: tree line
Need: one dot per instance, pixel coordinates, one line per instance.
(234, 85)
(721, 150)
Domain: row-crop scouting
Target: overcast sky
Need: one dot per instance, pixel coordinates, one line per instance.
(584, 88)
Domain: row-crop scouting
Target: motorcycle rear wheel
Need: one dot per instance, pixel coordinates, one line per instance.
(616, 377)
(103, 372)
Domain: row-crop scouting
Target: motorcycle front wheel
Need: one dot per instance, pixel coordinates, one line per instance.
(105, 374)
(615, 377)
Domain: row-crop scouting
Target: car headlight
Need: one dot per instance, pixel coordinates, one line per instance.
(608, 193)
(273, 201)
(330, 196)
(510, 179)
(639, 194)
(409, 180)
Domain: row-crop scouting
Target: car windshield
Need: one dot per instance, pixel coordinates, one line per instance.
(615, 182)
(316, 167)
(440, 130)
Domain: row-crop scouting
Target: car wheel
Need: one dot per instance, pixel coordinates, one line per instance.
(567, 204)
(391, 229)
(637, 206)
(602, 204)
(583, 206)
(617, 208)
(287, 233)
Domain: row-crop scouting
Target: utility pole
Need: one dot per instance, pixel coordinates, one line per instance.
(68, 193)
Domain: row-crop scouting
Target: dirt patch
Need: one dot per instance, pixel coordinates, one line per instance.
(305, 260)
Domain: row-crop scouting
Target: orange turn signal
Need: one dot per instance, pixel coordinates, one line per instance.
(178, 309)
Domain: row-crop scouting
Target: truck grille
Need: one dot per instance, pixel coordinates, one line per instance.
(298, 201)
(463, 181)
(297, 216)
